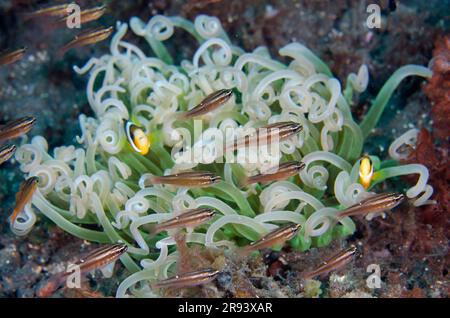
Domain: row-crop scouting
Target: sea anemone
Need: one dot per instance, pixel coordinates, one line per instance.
(93, 191)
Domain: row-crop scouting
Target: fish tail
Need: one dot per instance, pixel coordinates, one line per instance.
(152, 229)
(148, 179)
(50, 286)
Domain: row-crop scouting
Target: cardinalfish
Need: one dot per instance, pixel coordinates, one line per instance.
(96, 259)
(190, 279)
(268, 134)
(137, 138)
(87, 38)
(16, 128)
(11, 57)
(50, 12)
(284, 171)
(190, 218)
(276, 237)
(375, 204)
(23, 196)
(334, 263)
(85, 16)
(365, 171)
(6, 152)
(210, 103)
(190, 179)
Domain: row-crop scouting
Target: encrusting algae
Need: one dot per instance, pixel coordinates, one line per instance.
(152, 152)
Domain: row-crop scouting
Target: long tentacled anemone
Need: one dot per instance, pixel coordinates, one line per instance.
(94, 193)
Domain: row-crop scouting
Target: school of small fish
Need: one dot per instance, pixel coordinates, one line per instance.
(139, 141)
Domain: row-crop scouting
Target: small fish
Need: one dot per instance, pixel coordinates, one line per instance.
(53, 11)
(376, 204)
(85, 16)
(210, 103)
(101, 257)
(190, 179)
(137, 138)
(189, 279)
(16, 128)
(96, 259)
(6, 152)
(334, 263)
(365, 171)
(86, 38)
(190, 218)
(267, 135)
(23, 196)
(284, 171)
(10, 57)
(276, 237)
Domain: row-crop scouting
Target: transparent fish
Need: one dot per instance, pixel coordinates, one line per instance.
(267, 135)
(6, 152)
(85, 15)
(23, 196)
(189, 279)
(53, 11)
(190, 218)
(279, 236)
(10, 57)
(16, 128)
(87, 38)
(336, 262)
(210, 103)
(284, 171)
(376, 204)
(191, 179)
(98, 258)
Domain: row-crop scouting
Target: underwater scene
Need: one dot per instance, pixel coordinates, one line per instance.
(224, 149)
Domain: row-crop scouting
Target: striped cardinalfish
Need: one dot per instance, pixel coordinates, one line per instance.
(189, 218)
(267, 135)
(98, 258)
(6, 152)
(60, 10)
(336, 262)
(375, 204)
(190, 279)
(190, 179)
(87, 38)
(16, 128)
(284, 171)
(208, 104)
(276, 237)
(23, 196)
(10, 57)
(85, 15)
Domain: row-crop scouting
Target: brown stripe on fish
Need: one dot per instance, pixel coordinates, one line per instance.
(190, 179)
(189, 279)
(208, 104)
(6, 152)
(10, 57)
(276, 237)
(334, 263)
(267, 134)
(86, 38)
(189, 218)
(375, 204)
(284, 171)
(23, 196)
(16, 128)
